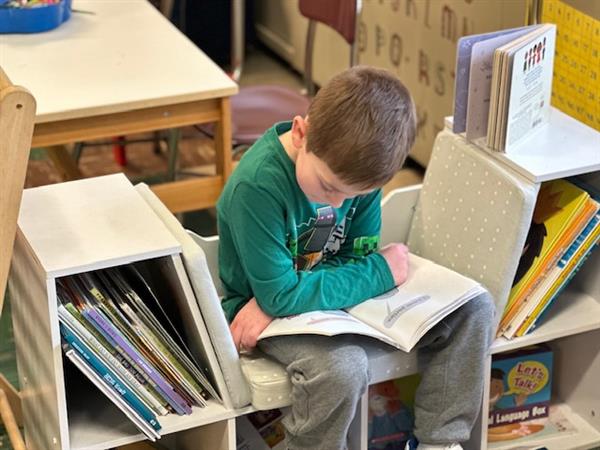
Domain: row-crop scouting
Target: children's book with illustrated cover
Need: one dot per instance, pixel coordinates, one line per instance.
(391, 413)
(521, 88)
(533, 434)
(572, 261)
(466, 63)
(520, 386)
(559, 276)
(473, 79)
(561, 214)
(399, 317)
(503, 85)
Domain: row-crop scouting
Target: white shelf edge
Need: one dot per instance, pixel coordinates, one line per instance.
(90, 434)
(586, 437)
(564, 147)
(572, 313)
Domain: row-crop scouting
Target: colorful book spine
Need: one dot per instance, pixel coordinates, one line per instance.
(560, 289)
(120, 355)
(559, 272)
(87, 337)
(109, 376)
(116, 339)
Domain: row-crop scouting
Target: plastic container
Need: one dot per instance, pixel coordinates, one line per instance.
(34, 20)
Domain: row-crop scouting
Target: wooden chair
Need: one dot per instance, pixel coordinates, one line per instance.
(17, 111)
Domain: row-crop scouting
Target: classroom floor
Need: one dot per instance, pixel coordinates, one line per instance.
(195, 150)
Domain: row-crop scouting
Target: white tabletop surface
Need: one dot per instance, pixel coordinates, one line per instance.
(125, 56)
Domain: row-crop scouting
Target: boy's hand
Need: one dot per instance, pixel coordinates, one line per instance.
(247, 325)
(396, 255)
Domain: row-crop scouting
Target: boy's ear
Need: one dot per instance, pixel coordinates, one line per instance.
(299, 130)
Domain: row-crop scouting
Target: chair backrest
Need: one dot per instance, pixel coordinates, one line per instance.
(17, 112)
(397, 211)
(342, 16)
(210, 245)
(338, 14)
(473, 215)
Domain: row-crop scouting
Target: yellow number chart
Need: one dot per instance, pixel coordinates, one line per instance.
(576, 83)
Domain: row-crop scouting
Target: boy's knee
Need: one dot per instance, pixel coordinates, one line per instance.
(485, 307)
(348, 369)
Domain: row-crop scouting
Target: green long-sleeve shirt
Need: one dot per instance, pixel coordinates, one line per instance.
(294, 256)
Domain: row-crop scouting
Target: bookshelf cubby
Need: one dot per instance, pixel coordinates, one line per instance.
(77, 227)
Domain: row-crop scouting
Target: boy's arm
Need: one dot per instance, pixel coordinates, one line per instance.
(257, 223)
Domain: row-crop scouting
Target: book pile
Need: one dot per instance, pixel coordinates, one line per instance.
(565, 228)
(116, 332)
(504, 84)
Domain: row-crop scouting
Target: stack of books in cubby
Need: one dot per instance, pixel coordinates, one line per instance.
(564, 230)
(111, 345)
(117, 332)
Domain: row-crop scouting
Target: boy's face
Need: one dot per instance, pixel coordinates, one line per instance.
(315, 178)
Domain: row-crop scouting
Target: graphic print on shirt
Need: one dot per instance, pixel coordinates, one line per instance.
(320, 238)
(312, 242)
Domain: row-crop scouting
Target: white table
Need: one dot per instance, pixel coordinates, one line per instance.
(124, 69)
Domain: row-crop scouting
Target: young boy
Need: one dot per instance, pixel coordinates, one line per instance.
(299, 224)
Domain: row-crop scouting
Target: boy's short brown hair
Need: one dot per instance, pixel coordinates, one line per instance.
(362, 124)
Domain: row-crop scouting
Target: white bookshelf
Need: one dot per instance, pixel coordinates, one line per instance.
(75, 227)
(564, 148)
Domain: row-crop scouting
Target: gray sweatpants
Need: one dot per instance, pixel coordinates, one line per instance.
(329, 375)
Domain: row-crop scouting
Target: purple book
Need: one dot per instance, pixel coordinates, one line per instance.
(114, 336)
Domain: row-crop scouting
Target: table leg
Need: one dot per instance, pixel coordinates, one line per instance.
(223, 158)
(173, 151)
(64, 162)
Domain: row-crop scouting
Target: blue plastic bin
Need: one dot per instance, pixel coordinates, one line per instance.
(34, 20)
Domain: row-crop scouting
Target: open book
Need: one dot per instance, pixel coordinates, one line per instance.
(399, 317)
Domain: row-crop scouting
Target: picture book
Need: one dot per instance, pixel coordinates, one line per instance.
(464, 66)
(561, 213)
(571, 261)
(521, 87)
(520, 386)
(391, 413)
(116, 332)
(533, 434)
(399, 317)
(552, 285)
(503, 85)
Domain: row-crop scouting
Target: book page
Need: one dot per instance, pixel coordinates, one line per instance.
(327, 323)
(409, 310)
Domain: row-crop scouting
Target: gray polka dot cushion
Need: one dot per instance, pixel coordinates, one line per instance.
(473, 215)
